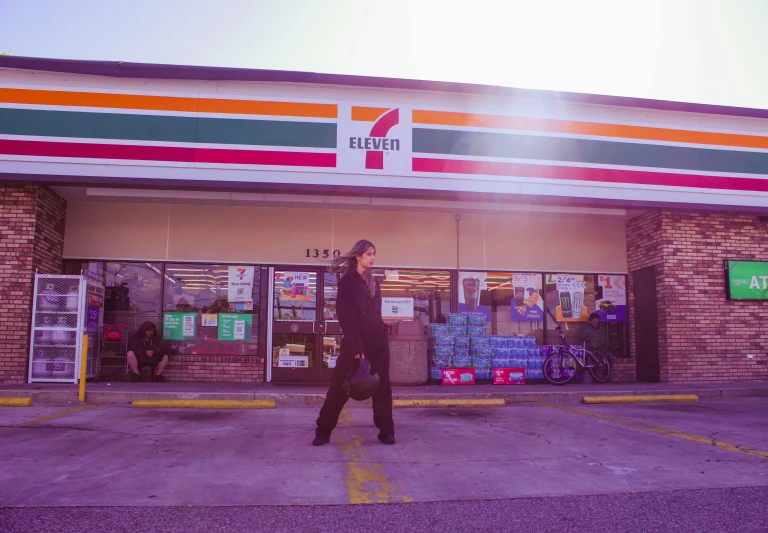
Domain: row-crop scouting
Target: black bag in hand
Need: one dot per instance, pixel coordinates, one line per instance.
(360, 383)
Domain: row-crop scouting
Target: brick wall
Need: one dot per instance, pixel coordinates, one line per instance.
(31, 237)
(702, 336)
(211, 368)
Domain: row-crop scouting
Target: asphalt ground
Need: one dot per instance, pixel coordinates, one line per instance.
(525, 467)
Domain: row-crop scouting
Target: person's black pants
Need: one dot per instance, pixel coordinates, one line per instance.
(337, 397)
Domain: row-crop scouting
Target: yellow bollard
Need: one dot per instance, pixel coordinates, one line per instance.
(83, 363)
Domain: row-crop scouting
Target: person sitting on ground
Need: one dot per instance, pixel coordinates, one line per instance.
(595, 337)
(145, 351)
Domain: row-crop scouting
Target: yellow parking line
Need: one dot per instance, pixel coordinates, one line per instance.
(15, 402)
(449, 403)
(650, 398)
(699, 439)
(205, 404)
(50, 417)
(365, 481)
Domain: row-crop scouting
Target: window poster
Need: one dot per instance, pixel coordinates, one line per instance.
(397, 309)
(612, 298)
(471, 284)
(240, 284)
(527, 301)
(235, 326)
(295, 287)
(570, 291)
(179, 326)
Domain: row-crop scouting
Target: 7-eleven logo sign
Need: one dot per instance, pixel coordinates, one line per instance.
(375, 139)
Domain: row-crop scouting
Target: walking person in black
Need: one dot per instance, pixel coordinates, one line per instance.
(358, 308)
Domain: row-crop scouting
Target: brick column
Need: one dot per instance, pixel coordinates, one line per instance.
(32, 227)
(702, 336)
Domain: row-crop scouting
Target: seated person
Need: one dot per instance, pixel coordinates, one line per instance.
(145, 350)
(595, 337)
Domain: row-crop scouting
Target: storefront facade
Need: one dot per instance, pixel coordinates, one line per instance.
(164, 188)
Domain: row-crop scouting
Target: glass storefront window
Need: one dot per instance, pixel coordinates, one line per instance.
(429, 289)
(331, 350)
(295, 296)
(514, 303)
(330, 290)
(293, 351)
(198, 318)
(133, 291)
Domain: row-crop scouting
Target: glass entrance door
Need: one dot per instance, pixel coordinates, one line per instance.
(306, 338)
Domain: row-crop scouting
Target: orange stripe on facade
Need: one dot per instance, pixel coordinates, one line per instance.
(443, 118)
(368, 114)
(168, 103)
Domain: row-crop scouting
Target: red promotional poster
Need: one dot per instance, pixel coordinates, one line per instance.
(509, 376)
(458, 376)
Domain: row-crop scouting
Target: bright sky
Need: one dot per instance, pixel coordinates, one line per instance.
(709, 51)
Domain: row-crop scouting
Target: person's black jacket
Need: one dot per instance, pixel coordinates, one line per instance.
(360, 319)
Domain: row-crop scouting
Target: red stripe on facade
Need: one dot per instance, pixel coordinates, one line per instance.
(265, 157)
(603, 175)
(96, 151)
(166, 153)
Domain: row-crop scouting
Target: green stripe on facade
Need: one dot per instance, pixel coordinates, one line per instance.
(85, 125)
(517, 146)
(97, 125)
(266, 132)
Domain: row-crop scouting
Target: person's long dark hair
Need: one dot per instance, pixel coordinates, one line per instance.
(344, 264)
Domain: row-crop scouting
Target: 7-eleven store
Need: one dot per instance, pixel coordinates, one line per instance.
(156, 180)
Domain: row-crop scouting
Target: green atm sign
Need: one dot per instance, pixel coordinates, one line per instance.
(746, 280)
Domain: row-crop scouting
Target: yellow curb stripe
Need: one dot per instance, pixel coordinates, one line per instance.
(205, 404)
(366, 482)
(641, 399)
(50, 417)
(15, 402)
(699, 439)
(449, 403)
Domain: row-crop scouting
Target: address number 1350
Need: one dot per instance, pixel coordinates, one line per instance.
(325, 254)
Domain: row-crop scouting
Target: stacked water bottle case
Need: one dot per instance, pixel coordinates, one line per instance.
(463, 343)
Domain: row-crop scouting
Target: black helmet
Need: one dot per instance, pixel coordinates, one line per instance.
(360, 383)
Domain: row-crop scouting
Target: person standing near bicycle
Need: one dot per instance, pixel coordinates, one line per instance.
(595, 337)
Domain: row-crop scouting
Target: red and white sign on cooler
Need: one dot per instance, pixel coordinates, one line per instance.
(458, 376)
(509, 376)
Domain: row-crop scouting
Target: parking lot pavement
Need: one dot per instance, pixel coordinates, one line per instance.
(119, 456)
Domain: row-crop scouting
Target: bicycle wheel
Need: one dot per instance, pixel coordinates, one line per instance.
(559, 368)
(599, 367)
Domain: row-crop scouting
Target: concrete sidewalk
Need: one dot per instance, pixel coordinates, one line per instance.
(313, 395)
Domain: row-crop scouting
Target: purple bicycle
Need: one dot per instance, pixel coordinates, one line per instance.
(561, 367)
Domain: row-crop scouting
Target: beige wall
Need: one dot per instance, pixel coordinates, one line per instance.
(276, 235)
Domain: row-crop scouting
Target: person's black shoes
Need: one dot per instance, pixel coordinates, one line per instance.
(159, 378)
(135, 378)
(387, 439)
(320, 441)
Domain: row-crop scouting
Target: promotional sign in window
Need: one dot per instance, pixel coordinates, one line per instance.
(240, 284)
(295, 287)
(527, 303)
(179, 326)
(396, 309)
(293, 361)
(747, 280)
(570, 291)
(235, 327)
(612, 298)
(471, 284)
